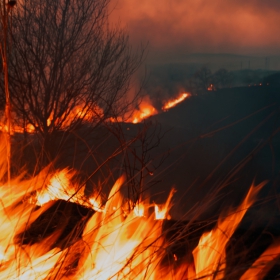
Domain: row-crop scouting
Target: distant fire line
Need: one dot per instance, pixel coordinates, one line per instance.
(172, 103)
(145, 110)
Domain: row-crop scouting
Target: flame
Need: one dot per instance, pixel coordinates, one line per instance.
(96, 203)
(115, 243)
(209, 255)
(172, 103)
(60, 187)
(264, 263)
(29, 128)
(145, 110)
(82, 111)
(139, 209)
(161, 213)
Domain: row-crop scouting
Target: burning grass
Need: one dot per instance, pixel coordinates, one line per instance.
(173, 102)
(51, 230)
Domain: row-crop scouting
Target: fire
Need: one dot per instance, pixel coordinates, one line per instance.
(136, 115)
(210, 255)
(116, 242)
(264, 263)
(60, 187)
(145, 110)
(139, 209)
(161, 212)
(172, 103)
(82, 111)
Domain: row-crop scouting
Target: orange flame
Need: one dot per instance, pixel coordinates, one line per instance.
(209, 255)
(145, 110)
(139, 210)
(81, 111)
(264, 263)
(114, 244)
(161, 213)
(172, 103)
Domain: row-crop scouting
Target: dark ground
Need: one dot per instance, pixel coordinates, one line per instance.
(228, 138)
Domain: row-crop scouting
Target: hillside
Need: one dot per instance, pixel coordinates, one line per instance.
(211, 136)
(219, 140)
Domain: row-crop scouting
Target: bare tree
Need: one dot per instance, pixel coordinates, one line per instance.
(222, 78)
(68, 65)
(141, 155)
(202, 79)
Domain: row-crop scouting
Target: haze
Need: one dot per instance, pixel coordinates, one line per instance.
(175, 29)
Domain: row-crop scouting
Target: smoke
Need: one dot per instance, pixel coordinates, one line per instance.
(201, 26)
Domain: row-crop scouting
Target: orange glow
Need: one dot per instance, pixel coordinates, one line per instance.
(239, 26)
(96, 204)
(30, 128)
(18, 129)
(123, 250)
(161, 212)
(145, 110)
(139, 209)
(117, 242)
(264, 263)
(211, 87)
(210, 255)
(138, 115)
(172, 103)
(79, 112)
(60, 187)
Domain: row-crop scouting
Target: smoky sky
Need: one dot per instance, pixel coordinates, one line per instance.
(174, 27)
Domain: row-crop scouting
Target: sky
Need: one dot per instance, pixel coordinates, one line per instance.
(173, 28)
